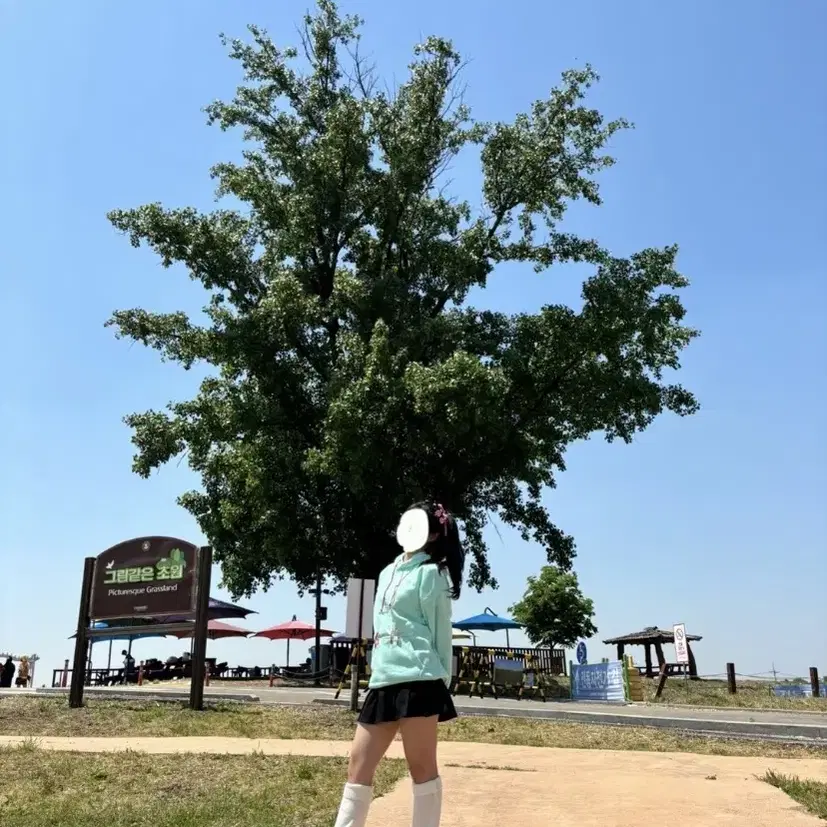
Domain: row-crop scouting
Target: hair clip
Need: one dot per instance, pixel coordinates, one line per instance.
(442, 515)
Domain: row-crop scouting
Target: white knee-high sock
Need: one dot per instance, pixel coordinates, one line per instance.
(353, 811)
(427, 803)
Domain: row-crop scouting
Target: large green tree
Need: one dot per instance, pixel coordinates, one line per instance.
(553, 610)
(350, 375)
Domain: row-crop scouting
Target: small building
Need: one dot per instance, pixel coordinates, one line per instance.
(650, 637)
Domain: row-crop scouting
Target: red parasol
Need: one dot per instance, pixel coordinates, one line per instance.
(292, 630)
(216, 629)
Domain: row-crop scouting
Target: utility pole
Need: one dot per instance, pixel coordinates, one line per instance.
(318, 659)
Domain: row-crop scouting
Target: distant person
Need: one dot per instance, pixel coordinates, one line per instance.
(187, 656)
(6, 674)
(22, 680)
(128, 665)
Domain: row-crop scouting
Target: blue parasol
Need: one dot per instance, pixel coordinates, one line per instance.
(488, 621)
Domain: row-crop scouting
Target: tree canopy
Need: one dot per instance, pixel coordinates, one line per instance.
(349, 375)
(553, 610)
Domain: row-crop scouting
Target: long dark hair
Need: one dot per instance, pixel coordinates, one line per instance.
(445, 550)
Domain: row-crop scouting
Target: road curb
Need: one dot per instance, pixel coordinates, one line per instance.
(750, 729)
(149, 695)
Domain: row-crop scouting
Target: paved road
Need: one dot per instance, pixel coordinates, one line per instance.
(743, 722)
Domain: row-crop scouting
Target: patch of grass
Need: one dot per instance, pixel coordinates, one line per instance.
(812, 795)
(39, 788)
(534, 733)
(35, 717)
(714, 693)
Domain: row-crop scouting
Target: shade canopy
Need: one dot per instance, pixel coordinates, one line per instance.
(217, 630)
(487, 622)
(217, 610)
(651, 634)
(651, 637)
(292, 630)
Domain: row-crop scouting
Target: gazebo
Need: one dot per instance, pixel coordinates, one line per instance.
(649, 637)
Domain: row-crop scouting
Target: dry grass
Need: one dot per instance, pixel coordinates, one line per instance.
(812, 795)
(46, 789)
(713, 693)
(32, 716)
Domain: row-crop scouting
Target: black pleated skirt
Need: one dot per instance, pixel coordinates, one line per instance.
(416, 699)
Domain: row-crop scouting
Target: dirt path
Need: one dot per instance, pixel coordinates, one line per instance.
(490, 783)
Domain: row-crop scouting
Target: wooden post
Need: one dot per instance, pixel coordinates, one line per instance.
(65, 679)
(140, 673)
(648, 654)
(693, 666)
(659, 653)
(354, 680)
(664, 674)
(202, 609)
(620, 649)
(730, 679)
(814, 681)
(81, 638)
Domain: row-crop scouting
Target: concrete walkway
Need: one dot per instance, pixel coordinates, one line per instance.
(486, 783)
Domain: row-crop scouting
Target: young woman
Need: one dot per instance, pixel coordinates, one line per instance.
(411, 665)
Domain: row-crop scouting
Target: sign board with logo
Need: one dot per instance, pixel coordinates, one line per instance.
(598, 682)
(144, 577)
(681, 646)
(359, 611)
(151, 580)
(582, 654)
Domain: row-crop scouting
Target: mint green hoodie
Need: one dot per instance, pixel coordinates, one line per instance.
(411, 624)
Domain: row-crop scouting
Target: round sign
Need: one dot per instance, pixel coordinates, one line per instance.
(581, 653)
(413, 530)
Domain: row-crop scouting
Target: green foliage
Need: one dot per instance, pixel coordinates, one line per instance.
(553, 610)
(349, 374)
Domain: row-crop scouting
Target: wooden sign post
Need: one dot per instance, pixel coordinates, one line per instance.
(163, 581)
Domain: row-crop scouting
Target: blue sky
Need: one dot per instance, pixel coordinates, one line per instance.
(718, 521)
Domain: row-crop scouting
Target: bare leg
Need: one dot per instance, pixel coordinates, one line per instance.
(370, 743)
(419, 738)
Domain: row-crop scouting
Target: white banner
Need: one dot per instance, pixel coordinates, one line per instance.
(681, 646)
(360, 594)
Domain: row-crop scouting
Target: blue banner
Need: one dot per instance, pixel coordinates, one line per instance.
(598, 682)
(795, 690)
